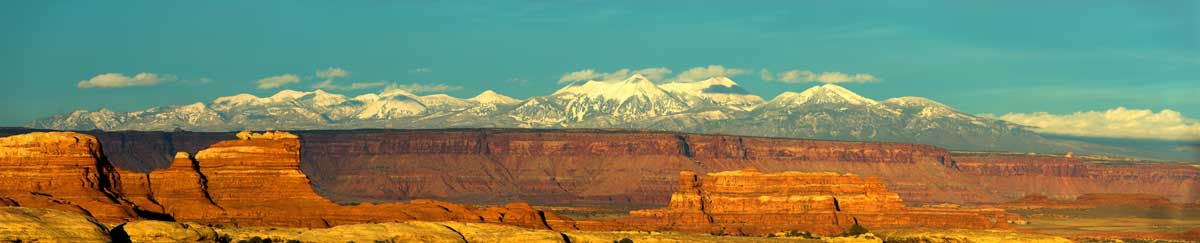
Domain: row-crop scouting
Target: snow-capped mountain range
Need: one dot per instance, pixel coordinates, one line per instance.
(716, 105)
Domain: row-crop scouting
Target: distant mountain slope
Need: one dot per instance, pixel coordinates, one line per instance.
(716, 105)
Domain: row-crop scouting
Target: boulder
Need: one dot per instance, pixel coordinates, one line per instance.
(162, 231)
(19, 224)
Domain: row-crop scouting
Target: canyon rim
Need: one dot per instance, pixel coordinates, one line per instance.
(599, 121)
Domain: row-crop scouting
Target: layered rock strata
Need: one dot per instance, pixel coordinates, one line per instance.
(592, 166)
(255, 180)
(751, 202)
(60, 170)
(490, 166)
(1063, 178)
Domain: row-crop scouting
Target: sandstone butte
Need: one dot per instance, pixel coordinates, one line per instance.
(750, 202)
(255, 180)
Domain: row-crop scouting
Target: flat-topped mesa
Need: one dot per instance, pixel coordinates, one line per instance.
(60, 170)
(793, 192)
(752, 202)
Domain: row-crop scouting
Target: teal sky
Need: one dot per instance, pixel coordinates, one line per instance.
(978, 56)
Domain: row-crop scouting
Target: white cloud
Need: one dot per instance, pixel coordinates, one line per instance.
(423, 88)
(117, 80)
(421, 70)
(276, 81)
(766, 75)
(581, 75)
(1118, 122)
(653, 74)
(332, 73)
(328, 84)
(701, 73)
(805, 76)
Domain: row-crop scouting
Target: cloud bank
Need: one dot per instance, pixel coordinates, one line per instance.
(276, 81)
(328, 84)
(423, 88)
(332, 73)
(653, 74)
(1118, 122)
(702, 73)
(656, 74)
(807, 76)
(705, 72)
(117, 80)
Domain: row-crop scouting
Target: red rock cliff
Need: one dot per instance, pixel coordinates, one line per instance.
(589, 166)
(255, 180)
(597, 166)
(60, 170)
(1015, 176)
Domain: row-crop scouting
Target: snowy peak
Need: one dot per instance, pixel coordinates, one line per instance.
(491, 97)
(638, 78)
(444, 102)
(288, 94)
(824, 94)
(636, 85)
(235, 100)
(721, 91)
(722, 81)
(396, 92)
(712, 85)
(913, 101)
(322, 99)
(924, 107)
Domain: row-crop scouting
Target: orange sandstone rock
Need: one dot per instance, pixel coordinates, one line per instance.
(60, 170)
(255, 181)
(751, 202)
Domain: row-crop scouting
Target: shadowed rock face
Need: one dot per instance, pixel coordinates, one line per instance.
(585, 166)
(751, 202)
(610, 167)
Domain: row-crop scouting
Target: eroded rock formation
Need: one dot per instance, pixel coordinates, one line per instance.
(60, 170)
(488, 166)
(750, 202)
(255, 180)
